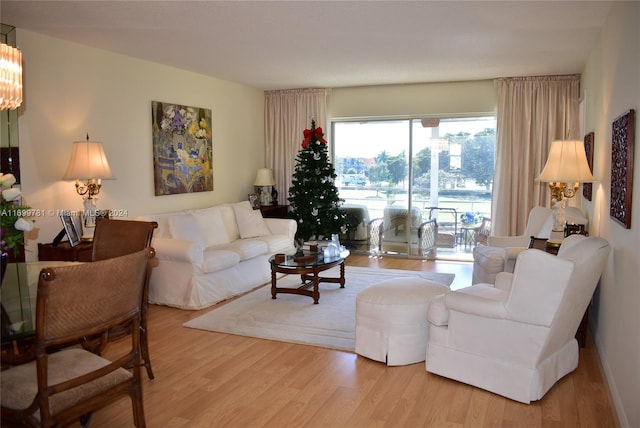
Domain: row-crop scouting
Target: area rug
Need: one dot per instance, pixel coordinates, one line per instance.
(294, 318)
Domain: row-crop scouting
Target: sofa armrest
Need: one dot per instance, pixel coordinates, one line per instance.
(282, 226)
(503, 281)
(480, 299)
(179, 250)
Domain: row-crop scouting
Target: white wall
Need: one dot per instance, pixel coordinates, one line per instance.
(71, 90)
(611, 85)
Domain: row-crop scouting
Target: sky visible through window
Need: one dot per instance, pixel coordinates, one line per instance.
(367, 139)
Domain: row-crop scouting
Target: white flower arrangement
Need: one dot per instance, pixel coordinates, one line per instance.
(12, 223)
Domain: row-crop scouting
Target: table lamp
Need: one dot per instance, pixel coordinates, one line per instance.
(265, 179)
(565, 169)
(88, 162)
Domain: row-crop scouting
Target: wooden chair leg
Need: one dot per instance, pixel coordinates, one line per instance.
(144, 350)
(138, 408)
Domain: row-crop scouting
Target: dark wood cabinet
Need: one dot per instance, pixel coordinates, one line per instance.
(65, 252)
(274, 211)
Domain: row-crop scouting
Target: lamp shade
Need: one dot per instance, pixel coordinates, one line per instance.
(88, 161)
(10, 77)
(567, 163)
(264, 177)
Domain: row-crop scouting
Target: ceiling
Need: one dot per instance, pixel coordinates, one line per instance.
(273, 44)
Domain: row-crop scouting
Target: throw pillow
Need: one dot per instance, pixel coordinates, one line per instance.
(184, 226)
(250, 221)
(212, 227)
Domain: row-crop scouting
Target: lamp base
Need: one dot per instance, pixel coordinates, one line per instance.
(265, 196)
(556, 235)
(557, 206)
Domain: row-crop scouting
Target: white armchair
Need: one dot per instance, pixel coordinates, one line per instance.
(539, 224)
(517, 338)
(500, 252)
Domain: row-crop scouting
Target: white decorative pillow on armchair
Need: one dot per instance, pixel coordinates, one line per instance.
(250, 221)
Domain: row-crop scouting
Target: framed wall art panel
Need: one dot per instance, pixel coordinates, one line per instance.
(587, 188)
(622, 149)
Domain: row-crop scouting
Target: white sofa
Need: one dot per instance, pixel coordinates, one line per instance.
(209, 255)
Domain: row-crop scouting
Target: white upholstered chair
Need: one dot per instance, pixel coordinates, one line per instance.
(517, 338)
(500, 252)
(391, 233)
(539, 224)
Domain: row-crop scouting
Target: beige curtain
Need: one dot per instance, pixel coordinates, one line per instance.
(287, 114)
(532, 112)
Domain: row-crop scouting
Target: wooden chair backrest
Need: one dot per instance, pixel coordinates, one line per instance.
(114, 238)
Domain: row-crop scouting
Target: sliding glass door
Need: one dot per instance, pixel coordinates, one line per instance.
(396, 174)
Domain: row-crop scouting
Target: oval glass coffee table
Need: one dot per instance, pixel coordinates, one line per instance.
(308, 266)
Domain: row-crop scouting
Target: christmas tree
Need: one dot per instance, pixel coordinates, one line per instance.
(313, 196)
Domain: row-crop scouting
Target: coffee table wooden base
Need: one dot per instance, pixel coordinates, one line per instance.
(310, 279)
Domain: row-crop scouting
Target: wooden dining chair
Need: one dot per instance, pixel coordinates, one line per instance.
(66, 386)
(114, 238)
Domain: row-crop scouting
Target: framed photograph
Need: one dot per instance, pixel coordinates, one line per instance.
(254, 199)
(622, 149)
(587, 188)
(71, 229)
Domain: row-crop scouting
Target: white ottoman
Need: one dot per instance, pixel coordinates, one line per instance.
(487, 263)
(391, 320)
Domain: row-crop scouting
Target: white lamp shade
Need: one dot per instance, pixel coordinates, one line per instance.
(567, 163)
(264, 177)
(88, 161)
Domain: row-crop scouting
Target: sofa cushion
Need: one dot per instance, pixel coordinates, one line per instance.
(229, 220)
(184, 226)
(211, 226)
(276, 243)
(217, 260)
(246, 248)
(250, 221)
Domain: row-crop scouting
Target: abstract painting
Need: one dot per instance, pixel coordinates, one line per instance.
(182, 149)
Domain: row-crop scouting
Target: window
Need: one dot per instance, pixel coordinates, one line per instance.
(432, 168)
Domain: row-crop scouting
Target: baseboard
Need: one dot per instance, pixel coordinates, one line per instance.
(610, 383)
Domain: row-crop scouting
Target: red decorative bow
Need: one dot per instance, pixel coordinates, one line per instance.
(308, 135)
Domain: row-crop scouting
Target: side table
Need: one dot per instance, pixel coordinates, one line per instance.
(83, 252)
(274, 211)
(552, 246)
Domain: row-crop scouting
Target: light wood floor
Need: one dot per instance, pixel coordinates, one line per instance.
(207, 379)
